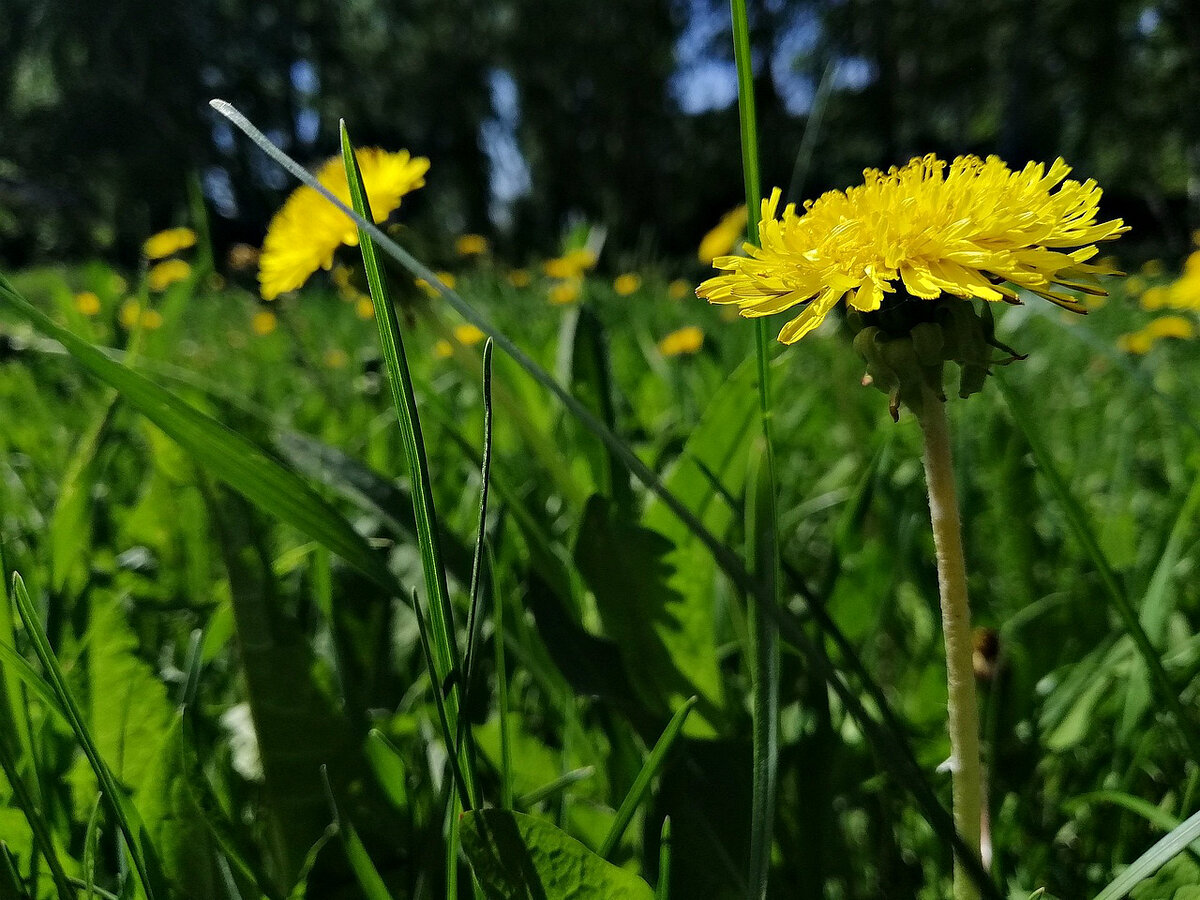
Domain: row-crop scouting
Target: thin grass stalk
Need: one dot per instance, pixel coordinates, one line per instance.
(498, 640)
(764, 633)
(966, 765)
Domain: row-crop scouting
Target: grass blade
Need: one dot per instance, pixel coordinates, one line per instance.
(24, 800)
(498, 641)
(364, 869)
(444, 647)
(1077, 521)
(230, 456)
(142, 854)
(641, 784)
(1150, 861)
(662, 890)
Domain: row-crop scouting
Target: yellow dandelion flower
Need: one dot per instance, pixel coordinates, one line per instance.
(977, 230)
(443, 349)
(724, 236)
(1134, 285)
(570, 265)
(520, 278)
(163, 244)
(1135, 342)
(471, 245)
(130, 313)
(307, 230)
(446, 278)
(684, 341)
(87, 303)
(678, 289)
(1152, 268)
(627, 284)
(336, 358)
(151, 319)
(564, 292)
(468, 335)
(264, 322)
(1170, 327)
(166, 273)
(364, 307)
(1153, 298)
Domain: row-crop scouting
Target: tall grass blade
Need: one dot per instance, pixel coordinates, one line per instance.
(364, 869)
(1150, 861)
(444, 645)
(141, 853)
(1078, 523)
(662, 890)
(23, 799)
(641, 784)
(498, 641)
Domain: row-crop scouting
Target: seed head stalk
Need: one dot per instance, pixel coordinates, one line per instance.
(965, 765)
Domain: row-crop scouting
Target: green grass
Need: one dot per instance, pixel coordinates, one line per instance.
(236, 531)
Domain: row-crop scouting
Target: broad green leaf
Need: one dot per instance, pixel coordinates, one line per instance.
(230, 456)
(518, 857)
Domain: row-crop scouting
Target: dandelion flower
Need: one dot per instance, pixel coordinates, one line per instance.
(364, 307)
(724, 236)
(443, 349)
(307, 230)
(974, 229)
(520, 278)
(132, 314)
(336, 358)
(471, 245)
(163, 244)
(468, 335)
(264, 322)
(627, 284)
(565, 292)
(684, 341)
(87, 303)
(446, 278)
(571, 264)
(166, 273)
(678, 289)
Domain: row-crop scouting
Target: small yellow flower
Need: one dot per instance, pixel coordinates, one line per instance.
(627, 284)
(1152, 268)
(163, 244)
(684, 341)
(1171, 327)
(1135, 342)
(571, 264)
(242, 257)
(678, 289)
(336, 358)
(443, 349)
(724, 236)
(1134, 285)
(307, 230)
(468, 335)
(520, 278)
(152, 319)
(164, 274)
(87, 303)
(471, 245)
(264, 322)
(132, 315)
(446, 278)
(364, 308)
(973, 229)
(1153, 298)
(564, 292)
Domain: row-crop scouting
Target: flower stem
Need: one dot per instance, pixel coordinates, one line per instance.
(965, 764)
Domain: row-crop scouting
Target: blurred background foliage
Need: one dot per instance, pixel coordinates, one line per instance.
(536, 112)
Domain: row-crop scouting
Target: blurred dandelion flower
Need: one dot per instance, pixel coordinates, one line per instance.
(336, 358)
(443, 349)
(446, 278)
(684, 341)
(520, 278)
(976, 230)
(166, 273)
(571, 264)
(465, 334)
(471, 245)
(132, 314)
(724, 236)
(163, 244)
(678, 289)
(307, 230)
(264, 322)
(565, 292)
(87, 303)
(627, 284)
(1142, 341)
(1182, 293)
(242, 257)
(364, 307)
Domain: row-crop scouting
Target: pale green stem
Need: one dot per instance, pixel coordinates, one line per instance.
(965, 765)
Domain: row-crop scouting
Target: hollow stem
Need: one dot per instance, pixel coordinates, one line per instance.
(965, 764)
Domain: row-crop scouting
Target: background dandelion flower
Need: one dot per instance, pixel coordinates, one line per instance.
(973, 229)
(167, 273)
(308, 229)
(172, 240)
